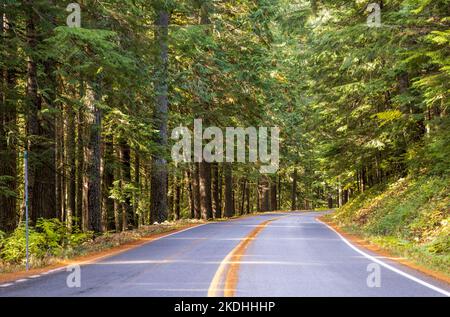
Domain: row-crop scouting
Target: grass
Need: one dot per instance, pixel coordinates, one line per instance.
(409, 218)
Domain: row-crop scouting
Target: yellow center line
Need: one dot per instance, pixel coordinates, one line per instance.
(226, 278)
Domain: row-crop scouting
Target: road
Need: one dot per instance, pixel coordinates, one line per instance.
(266, 255)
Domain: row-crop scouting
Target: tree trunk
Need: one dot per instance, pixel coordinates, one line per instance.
(137, 184)
(205, 191)
(71, 165)
(279, 187)
(107, 184)
(330, 201)
(264, 194)
(125, 164)
(8, 151)
(294, 191)
(345, 196)
(243, 193)
(117, 203)
(159, 168)
(79, 212)
(191, 193)
(273, 196)
(196, 190)
(216, 204)
(177, 198)
(247, 195)
(93, 160)
(41, 136)
(58, 167)
(258, 207)
(229, 204)
(80, 167)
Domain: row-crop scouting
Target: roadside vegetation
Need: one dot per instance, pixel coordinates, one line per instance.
(52, 243)
(409, 218)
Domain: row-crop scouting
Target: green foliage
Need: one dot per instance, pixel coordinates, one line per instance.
(4, 188)
(409, 216)
(14, 247)
(48, 238)
(2, 239)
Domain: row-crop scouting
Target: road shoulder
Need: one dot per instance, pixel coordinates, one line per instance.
(95, 256)
(364, 244)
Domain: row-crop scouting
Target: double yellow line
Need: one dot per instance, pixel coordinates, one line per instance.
(226, 278)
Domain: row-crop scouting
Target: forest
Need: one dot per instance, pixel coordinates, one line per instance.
(93, 100)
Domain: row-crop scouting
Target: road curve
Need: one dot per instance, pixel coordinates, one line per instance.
(287, 255)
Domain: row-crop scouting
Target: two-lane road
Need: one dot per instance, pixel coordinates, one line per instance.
(266, 255)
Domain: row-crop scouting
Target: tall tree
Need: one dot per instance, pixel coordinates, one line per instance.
(40, 130)
(93, 158)
(159, 167)
(8, 115)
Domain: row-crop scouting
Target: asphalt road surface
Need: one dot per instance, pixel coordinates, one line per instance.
(274, 255)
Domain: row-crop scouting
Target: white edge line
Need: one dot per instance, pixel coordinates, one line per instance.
(6, 285)
(148, 242)
(139, 246)
(174, 233)
(413, 278)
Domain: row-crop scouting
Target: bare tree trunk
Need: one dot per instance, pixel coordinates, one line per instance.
(205, 191)
(229, 204)
(279, 192)
(117, 203)
(264, 189)
(243, 192)
(191, 192)
(42, 151)
(147, 194)
(92, 159)
(177, 198)
(273, 196)
(294, 190)
(8, 151)
(196, 190)
(258, 207)
(107, 184)
(159, 168)
(79, 211)
(137, 184)
(170, 197)
(247, 195)
(125, 163)
(216, 205)
(71, 165)
(58, 166)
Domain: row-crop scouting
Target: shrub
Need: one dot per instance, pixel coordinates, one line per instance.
(50, 237)
(14, 246)
(2, 239)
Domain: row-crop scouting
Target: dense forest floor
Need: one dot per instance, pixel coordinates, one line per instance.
(408, 218)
